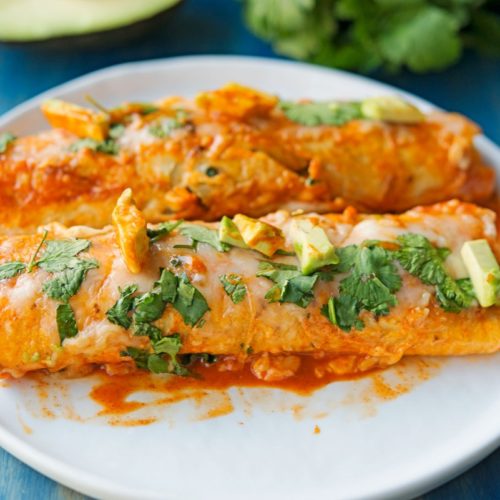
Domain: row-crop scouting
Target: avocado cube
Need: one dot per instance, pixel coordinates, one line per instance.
(259, 235)
(312, 246)
(391, 109)
(483, 270)
(229, 233)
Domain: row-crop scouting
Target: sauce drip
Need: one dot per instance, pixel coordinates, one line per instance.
(112, 392)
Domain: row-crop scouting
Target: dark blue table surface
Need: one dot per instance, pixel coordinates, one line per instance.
(471, 87)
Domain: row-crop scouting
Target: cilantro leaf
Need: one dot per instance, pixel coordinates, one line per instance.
(119, 312)
(167, 285)
(347, 313)
(140, 356)
(322, 113)
(11, 269)
(421, 259)
(146, 108)
(6, 139)
(155, 361)
(147, 330)
(234, 287)
(189, 302)
(370, 285)
(156, 364)
(66, 283)
(165, 128)
(373, 280)
(116, 130)
(60, 254)
(171, 346)
(66, 322)
(108, 146)
(290, 284)
(163, 229)
(148, 307)
(201, 234)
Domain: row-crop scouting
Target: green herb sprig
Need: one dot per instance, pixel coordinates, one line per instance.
(363, 35)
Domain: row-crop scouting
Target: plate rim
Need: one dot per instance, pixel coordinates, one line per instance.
(92, 484)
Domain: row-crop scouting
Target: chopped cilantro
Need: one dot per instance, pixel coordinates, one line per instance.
(140, 356)
(147, 330)
(171, 346)
(66, 322)
(116, 130)
(119, 313)
(234, 287)
(108, 146)
(421, 259)
(290, 284)
(11, 269)
(60, 258)
(60, 254)
(148, 307)
(146, 108)
(321, 113)
(370, 285)
(67, 282)
(346, 312)
(167, 285)
(168, 125)
(162, 230)
(373, 280)
(189, 302)
(155, 361)
(201, 234)
(6, 139)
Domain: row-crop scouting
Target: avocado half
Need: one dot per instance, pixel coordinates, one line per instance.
(29, 21)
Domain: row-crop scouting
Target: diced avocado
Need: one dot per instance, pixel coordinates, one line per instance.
(483, 270)
(391, 109)
(312, 246)
(30, 20)
(259, 235)
(81, 121)
(456, 267)
(229, 233)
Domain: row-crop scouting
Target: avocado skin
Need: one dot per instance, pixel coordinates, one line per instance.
(108, 38)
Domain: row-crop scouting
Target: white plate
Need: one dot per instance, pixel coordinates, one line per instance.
(266, 447)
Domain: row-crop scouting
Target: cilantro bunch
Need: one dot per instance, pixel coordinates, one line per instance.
(421, 35)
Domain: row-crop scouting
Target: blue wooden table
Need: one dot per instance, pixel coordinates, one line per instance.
(215, 27)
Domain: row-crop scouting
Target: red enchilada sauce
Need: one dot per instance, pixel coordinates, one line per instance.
(112, 392)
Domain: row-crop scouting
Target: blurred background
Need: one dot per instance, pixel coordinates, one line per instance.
(446, 51)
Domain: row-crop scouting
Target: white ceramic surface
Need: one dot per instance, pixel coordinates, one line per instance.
(266, 447)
